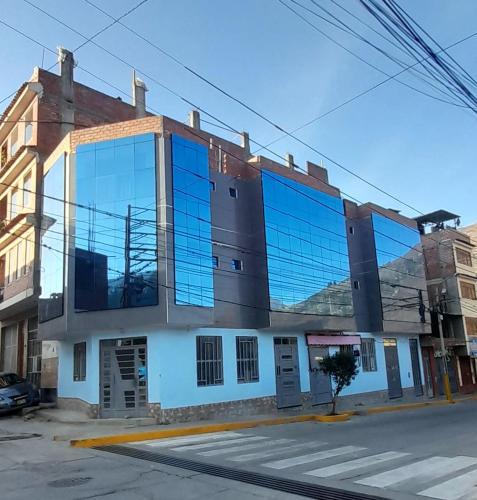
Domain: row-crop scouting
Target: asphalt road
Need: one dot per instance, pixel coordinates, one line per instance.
(426, 453)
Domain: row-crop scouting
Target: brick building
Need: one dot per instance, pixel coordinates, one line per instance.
(43, 111)
(451, 282)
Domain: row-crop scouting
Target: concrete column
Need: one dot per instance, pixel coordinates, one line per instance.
(139, 90)
(67, 112)
(245, 142)
(289, 161)
(194, 119)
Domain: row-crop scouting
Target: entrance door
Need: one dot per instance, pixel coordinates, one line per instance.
(392, 368)
(124, 378)
(466, 374)
(429, 376)
(416, 367)
(320, 384)
(287, 372)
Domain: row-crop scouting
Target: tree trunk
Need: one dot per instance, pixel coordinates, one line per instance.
(333, 409)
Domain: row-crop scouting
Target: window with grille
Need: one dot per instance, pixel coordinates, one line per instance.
(368, 355)
(247, 359)
(79, 362)
(467, 291)
(210, 369)
(463, 257)
(348, 349)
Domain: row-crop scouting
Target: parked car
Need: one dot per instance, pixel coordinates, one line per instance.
(16, 393)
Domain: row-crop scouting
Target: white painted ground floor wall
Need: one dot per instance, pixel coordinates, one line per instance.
(172, 372)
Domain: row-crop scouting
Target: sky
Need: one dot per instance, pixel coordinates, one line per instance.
(420, 150)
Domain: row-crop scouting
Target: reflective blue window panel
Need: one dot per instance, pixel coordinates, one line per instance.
(307, 249)
(401, 269)
(116, 224)
(53, 243)
(194, 281)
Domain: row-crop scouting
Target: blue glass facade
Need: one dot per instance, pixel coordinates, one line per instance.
(401, 270)
(53, 243)
(116, 224)
(194, 282)
(307, 249)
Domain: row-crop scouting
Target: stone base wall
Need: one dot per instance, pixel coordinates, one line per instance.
(249, 407)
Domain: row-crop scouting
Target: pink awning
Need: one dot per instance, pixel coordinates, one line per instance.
(333, 340)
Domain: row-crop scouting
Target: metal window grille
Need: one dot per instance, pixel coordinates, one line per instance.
(79, 362)
(368, 355)
(209, 361)
(34, 347)
(247, 359)
(348, 349)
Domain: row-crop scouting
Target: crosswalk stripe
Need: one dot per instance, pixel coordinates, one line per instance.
(458, 487)
(359, 463)
(213, 444)
(245, 447)
(190, 439)
(305, 459)
(276, 451)
(425, 470)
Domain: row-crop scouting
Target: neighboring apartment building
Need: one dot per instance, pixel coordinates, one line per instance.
(194, 279)
(451, 283)
(42, 112)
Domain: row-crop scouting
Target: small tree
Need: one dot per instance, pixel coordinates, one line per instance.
(342, 368)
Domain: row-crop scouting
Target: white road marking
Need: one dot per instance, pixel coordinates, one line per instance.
(305, 459)
(214, 444)
(359, 463)
(190, 439)
(464, 486)
(425, 470)
(269, 453)
(245, 447)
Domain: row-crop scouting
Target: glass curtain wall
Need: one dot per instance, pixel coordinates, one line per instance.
(116, 224)
(307, 249)
(401, 270)
(50, 303)
(194, 282)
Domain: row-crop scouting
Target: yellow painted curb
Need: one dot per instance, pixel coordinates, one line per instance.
(185, 431)
(342, 417)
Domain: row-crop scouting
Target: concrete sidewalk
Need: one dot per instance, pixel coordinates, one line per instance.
(69, 425)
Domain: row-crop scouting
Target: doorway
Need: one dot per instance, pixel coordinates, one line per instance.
(287, 372)
(123, 375)
(416, 367)
(320, 384)
(392, 368)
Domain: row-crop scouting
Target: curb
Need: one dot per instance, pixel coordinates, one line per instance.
(185, 431)
(231, 426)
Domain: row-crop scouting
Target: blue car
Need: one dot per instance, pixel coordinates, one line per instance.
(16, 393)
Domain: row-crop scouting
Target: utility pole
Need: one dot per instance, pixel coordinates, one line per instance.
(447, 388)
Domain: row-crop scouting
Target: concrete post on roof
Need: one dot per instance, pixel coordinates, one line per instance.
(66, 108)
(194, 119)
(245, 143)
(139, 90)
(289, 161)
(317, 171)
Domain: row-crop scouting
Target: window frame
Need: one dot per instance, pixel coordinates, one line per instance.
(209, 360)
(466, 257)
(28, 126)
(235, 192)
(215, 261)
(246, 352)
(27, 191)
(79, 361)
(237, 261)
(369, 362)
(13, 149)
(465, 285)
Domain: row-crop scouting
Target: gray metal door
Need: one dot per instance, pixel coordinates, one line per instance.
(123, 379)
(287, 372)
(416, 367)
(392, 368)
(320, 384)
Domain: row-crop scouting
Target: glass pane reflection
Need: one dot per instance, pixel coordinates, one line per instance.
(53, 243)
(116, 224)
(307, 250)
(401, 270)
(194, 282)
